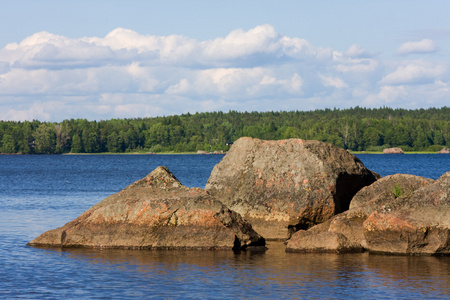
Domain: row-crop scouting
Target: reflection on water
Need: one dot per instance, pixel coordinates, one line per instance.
(270, 274)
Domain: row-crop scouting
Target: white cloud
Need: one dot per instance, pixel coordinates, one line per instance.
(333, 82)
(128, 74)
(261, 39)
(37, 111)
(433, 94)
(423, 46)
(386, 96)
(355, 51)
(415, 73)
(354, 61)
(4, 67)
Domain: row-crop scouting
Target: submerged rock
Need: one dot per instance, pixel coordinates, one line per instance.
(284, 186)
(348, 226)
(414, 223)
(156, 212)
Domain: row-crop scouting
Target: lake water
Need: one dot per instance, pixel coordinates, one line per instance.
(38, 193)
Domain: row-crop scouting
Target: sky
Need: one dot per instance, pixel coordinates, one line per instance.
(100, 60)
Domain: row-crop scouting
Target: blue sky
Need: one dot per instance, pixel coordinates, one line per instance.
(125, 59)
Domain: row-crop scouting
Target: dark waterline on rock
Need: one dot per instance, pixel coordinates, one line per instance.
(38, 193)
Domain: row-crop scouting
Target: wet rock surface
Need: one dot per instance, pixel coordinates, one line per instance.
(156, 212)
(284, 186)
(306, 241)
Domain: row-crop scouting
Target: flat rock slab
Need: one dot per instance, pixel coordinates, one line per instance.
(156, 212)
(284, 186)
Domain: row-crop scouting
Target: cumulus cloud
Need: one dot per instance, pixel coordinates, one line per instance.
(356, 51)
(415, 73)
(4, 67)
(128, 74)
(423, 46)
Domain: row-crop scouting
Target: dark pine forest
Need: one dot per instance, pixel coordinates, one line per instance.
(356, 129)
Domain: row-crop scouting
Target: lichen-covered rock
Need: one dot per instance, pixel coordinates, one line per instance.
(350, 223)
(287, 185)
(386, 190)
(156, 212)
(415, 223)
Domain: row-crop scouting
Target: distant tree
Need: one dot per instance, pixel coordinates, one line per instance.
(45, 139)
(356, 129)
(76, 144)
(7, 144)
(438, 138)
(420, 141)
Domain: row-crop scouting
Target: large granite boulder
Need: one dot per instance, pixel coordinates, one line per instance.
(156, 212)
(414, 223)
(348, 226)
(284, 186)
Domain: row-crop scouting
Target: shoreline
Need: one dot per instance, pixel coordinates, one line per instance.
(195, 153)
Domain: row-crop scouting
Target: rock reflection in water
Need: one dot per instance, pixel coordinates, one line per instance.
(274, 273)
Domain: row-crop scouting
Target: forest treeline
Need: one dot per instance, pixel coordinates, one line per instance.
(357, 129)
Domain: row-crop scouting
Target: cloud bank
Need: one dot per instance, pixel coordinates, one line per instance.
(127, 74)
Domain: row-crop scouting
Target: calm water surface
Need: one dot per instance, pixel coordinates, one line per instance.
(38, 193)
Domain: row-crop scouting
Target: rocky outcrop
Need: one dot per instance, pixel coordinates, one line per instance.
(444, 151)
(156, 212)
(347, 227)
(414, 223)
(394, 150)
(284, 186)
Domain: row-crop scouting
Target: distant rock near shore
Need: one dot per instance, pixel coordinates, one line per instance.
(444, 151)
(287, 185)
(394, 150)
(156, 212)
